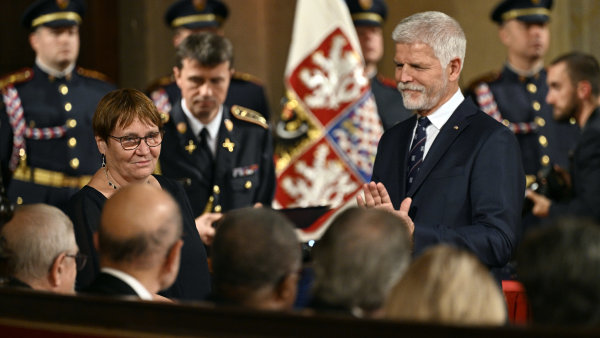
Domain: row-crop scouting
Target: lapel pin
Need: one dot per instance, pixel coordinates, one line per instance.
(228, 144)
(190, 147)
(455, 127)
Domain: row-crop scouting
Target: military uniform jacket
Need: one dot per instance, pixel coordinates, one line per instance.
(390, 105)
(585, 174)
(242, 92)
(243, 173)
(57, 130)
(520, 103)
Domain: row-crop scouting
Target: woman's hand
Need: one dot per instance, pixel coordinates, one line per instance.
(204, 226)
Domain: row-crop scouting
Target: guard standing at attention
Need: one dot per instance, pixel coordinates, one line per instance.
(186, 17)
(516, 96)
(47, 147)
(368, 18)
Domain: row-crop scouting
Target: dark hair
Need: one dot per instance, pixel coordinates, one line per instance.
(122, 107)
(253, 248)
(559, 265)
(581, 67)
(359, 259)
(208, 49)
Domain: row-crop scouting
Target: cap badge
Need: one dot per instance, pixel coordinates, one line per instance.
(365, 4)
(199, 5)
(62, 4)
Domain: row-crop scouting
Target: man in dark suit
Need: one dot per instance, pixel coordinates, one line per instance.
(368, 18)
(47, 149)
(139, 243)
(574, 89)
(223, 155)
(451, 169)
(187, 17)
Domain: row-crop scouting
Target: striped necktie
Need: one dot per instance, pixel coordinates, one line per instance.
(415, 157)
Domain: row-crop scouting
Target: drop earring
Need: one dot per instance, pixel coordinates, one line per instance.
(103, 161)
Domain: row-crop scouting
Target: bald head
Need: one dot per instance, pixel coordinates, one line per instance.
(138, 226)
(31, 242)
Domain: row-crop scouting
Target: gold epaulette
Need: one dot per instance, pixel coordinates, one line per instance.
(487, 78)
(19, 76)
(159, 83)
(93, 74)
(246, 77)
(245, 114)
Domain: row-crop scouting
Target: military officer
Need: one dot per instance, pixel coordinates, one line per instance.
(47, 147)
(516, 95)
(223, 155)
(187, 17)
(368, 18)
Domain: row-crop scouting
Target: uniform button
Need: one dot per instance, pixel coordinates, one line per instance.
(540, 121)
(32, 124)
(71, 123)
(572, 120)
(217, 208)
(211, 199)
(74, 163)
(531, 88)
(506, 122)
(536, 105)
(68, 106)
(545, 160)
(72, 142)
(543, 141)
(216, 189)
(19, 200)
(63, 89)
(248, 185)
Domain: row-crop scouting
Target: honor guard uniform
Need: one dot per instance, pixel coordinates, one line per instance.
(192, 16)
(47, 146)
(368, 18)
(518, 99)
(240, 172)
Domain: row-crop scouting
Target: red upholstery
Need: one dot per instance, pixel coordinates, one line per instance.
(516, 301)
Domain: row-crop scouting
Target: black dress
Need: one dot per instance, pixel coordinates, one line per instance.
(193, 280)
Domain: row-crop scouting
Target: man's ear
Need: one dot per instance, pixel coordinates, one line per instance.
(173, 257)
(286, 291)
(33, 41)
(454, 68)
(56, 270)
(584, 90)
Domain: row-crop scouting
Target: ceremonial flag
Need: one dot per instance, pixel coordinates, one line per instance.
(330, 128)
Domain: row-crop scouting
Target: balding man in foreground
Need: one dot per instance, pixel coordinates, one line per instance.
(38, 250)
(139, 242)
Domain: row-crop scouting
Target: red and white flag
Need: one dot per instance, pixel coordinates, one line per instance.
(327, 85)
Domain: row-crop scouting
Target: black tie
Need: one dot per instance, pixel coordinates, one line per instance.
(415, 157)
(207, 157)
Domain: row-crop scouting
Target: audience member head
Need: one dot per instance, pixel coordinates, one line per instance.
(447, 285)
(358, 260)
(559, 266)
(430, 52)
(573, 82)
(140, 234)
(191, 16)
(255, 259)
(38, 248)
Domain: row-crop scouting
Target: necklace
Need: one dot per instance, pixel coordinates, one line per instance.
(111, 184)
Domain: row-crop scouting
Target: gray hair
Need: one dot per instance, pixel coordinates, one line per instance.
(33, 239)
(359, 259)
(436, 29)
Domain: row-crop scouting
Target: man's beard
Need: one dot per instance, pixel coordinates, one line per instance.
(428, 98)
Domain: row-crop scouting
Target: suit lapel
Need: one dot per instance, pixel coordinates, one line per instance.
(449, 132)
(404, 138)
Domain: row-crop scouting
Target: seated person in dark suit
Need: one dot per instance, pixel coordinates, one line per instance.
(38, 250)
(255, 259)
(559, 266)
(139, 243)
(358, 260)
